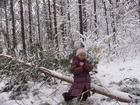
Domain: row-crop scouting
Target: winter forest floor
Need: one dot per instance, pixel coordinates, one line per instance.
(118, 75)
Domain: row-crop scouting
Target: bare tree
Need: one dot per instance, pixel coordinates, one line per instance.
(139, 9)
(55, 23)
(22, 27)
(48, 22)
(7, 26)
(13, 25)
(69, 33)
(106, 20)
(30, 25)
(39, 44)
(46, 17)
(50, 33)
(55, 19)
(84, 21)
(68, 15)
(1, 19)
(112, 21)
(2, 3)
(62, 26)
(95, 17)
(38, 20)
(80, 17)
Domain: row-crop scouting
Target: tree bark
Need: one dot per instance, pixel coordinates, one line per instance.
(113, 21)
(62, 26)
(95, 17)
(55, 23)
(139, 9)
(39, 31)
(55, 19)
(84, 21)
(69, 27)
(7, 26)
(81, 20)
(68, 16)
(38, 21)
(13, 25)
(1, 20)
(80, 17)
(50, 33)
(46, 11)
(22, 27)
(106, 19)
(105, 12)
(30, 26)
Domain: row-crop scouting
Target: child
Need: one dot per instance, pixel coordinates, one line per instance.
(80, 69)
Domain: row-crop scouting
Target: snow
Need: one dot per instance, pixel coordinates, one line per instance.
(118, 70)
(12, 102)
(108, 72)
(3, 97)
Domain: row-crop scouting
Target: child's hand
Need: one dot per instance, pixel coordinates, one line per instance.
(81, 63)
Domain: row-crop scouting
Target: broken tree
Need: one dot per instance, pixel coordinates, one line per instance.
(120, 96)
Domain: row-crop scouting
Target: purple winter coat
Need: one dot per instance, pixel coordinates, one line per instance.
(81, 77)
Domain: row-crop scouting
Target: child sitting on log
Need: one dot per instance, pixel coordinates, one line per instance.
(80, 69)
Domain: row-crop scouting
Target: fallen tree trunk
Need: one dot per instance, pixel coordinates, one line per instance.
(120, 96)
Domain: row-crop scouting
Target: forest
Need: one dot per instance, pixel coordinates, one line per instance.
(46, 33)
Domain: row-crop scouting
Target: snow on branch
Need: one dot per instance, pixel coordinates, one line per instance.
(115, 94)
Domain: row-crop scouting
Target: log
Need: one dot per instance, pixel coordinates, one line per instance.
(118, 95)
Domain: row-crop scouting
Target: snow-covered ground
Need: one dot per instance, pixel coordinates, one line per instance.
(118, 70)
(108, 73)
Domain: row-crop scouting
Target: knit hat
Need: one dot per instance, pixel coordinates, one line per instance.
(81, 50)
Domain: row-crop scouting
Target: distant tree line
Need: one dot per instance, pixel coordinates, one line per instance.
(40, 28)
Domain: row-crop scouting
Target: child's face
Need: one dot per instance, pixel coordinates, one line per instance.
(82, 56)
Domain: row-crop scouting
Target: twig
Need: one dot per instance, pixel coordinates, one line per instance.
(85, 92)
(101, 84)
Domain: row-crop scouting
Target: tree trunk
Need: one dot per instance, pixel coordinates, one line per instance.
(30, 26)
(105, 12)
(22, 28)
(62, 3)
(69, 28)
(39, 31)
(7, 26)
(47, 21)
(84, 21)
(117, 0)
(81, 20)
(38, 21)
(50, 33)
(1, 30)
(80, 17)
(69, 25)
(13, 25)
(1, 20)
(55, 19)
(95, 18)
(113, 21)
(62, 26)
(55, 23)
(106, 19)
(139, 9)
